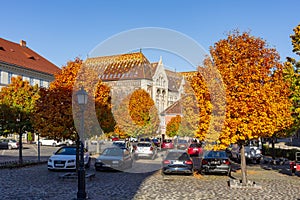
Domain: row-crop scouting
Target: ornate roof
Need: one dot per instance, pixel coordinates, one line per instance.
(174, 109)
(121, 67)
(22, 56)
(174, 80)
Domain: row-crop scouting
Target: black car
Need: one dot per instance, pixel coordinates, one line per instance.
(215, 162)
(177, 162)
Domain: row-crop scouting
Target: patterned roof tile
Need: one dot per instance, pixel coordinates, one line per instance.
(124, 66)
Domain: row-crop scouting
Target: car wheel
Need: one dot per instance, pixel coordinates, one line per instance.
(293, 172)
(54, 144)
(229, 173)
(9, 147)
(130, 164)
(88, 164)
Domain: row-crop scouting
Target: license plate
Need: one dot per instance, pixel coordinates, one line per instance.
(177, 162)
(106, 165)
(215, 162)
(59, 165)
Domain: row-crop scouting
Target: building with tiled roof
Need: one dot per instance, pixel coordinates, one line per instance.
(19, 60)
(128, 72)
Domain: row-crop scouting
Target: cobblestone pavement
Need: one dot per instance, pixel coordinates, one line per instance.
(36, 182)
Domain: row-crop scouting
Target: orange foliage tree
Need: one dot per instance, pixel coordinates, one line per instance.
(54, 110)
(257, 103)
(173, 126)
(137, 115)
(196, 107)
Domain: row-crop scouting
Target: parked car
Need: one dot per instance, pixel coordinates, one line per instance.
(145, 150)
(182, 144)
(215, 162)
(9, 144)
(167, 144)
(123, 145)
(253, 152)
(115, 139)
(145, 140)
(50, 142)
(114, 158)
(132, 139)
(177, 162)
(156, 142)
(195, 149)
(65, 159)
(295, 165)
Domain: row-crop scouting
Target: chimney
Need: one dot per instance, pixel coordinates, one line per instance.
(23, 43)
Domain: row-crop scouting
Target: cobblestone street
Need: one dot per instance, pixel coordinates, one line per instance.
(37, 182)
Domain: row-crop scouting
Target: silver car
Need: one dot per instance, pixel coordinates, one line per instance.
(145, 150)
(114, 158)
(9, 144)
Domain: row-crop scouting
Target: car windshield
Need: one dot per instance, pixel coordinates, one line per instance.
(182, 141)
(167, 141)
(177, 156)
(195, 145)
(119, 144)
(215, 154)
(66, 151)
(113, 152)
(145, 139)
(144, 144)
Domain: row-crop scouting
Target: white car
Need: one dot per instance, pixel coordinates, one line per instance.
(65, 159)
(50, 142)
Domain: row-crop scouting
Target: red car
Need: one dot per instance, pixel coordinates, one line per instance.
(167, 144)
(115, 139)
(195, 149)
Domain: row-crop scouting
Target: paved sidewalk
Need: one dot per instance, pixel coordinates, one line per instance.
(37, 183)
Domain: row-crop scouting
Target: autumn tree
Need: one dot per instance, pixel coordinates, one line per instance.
(292, 75)
(17, 101)
(137, 115)
(173, 126)
(196, 107)
(54, 111)
(257, 103)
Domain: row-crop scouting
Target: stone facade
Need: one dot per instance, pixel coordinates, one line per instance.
(128, 72)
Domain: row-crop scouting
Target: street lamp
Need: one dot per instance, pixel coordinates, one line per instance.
(82, 97)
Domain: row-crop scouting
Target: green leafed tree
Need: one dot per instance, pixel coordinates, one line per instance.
(17, 101)
(292, 75)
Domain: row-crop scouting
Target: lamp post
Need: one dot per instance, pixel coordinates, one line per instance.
(82, 101)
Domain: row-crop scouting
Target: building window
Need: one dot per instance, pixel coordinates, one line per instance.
(9, 77)
(31, 81)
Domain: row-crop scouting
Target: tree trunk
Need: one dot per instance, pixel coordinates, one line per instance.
(243, 166)
(273, 147)
(20, 148)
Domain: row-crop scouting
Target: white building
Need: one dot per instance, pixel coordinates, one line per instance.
(19, 60)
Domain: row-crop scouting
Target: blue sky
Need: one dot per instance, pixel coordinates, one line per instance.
(61, 30)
